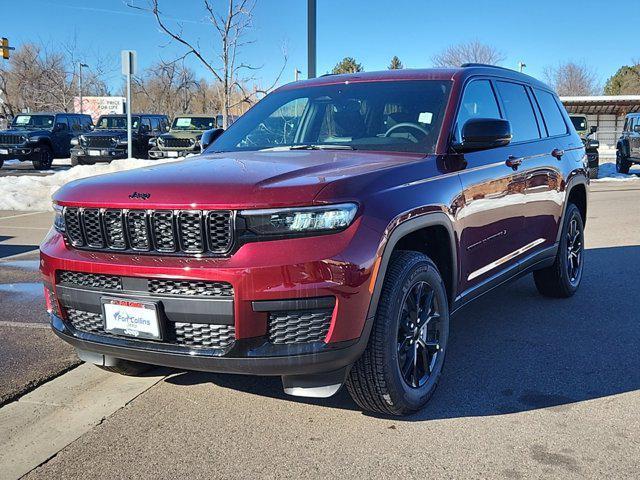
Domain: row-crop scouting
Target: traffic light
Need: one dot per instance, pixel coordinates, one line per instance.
(5, 48)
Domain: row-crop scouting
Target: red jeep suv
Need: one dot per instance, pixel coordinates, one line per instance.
(328, 235)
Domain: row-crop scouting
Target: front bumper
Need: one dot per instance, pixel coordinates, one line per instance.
(21, 153)
(158, 154)
(99, 154)
(273, 276)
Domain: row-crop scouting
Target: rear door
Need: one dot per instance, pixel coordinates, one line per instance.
(492, 218)
(62, 138)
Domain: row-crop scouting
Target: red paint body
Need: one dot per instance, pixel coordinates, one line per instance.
(493, 210)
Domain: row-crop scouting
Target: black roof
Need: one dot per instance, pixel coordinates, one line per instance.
(133, 115)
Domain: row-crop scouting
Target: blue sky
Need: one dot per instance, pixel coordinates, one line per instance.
(372, 31)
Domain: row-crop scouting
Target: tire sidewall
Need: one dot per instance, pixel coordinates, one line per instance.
(572, 212)
(414, 398)
(44, 163)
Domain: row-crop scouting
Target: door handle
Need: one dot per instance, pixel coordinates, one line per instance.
(557, 153)
(513, 162)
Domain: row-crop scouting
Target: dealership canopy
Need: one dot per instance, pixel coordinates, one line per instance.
(602, 104)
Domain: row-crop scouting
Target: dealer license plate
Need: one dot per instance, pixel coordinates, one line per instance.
(172, 154)
(94, 153)
(131, 318)
(4, 151)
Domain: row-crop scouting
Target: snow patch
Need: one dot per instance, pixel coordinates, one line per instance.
(608, 173)
(33, 193)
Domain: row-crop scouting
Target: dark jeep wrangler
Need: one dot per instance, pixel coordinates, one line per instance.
(41, 137)
(108, 141)
(183, 138)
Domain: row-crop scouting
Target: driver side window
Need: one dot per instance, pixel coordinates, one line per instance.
(478, 101)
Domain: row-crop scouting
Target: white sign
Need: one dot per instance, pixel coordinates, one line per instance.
(96, 106)
(129, 62)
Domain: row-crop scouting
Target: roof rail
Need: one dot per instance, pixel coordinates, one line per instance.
(471, 64)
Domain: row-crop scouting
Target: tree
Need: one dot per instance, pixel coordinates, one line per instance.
(469, 52)
(347, 65)
(230, 28)
(395, 64)
(626, 81)
(572, 79)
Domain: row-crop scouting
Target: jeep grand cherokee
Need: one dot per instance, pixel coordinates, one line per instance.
(328, 235)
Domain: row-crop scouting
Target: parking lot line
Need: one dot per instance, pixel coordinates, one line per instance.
(41, 423)
(19, 215)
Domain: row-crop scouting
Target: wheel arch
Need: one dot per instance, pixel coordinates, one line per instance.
(432, 234)
(578, 194)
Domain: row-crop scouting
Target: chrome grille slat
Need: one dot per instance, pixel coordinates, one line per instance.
(181, 232)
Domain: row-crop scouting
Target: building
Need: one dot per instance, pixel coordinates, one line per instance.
(607, 112)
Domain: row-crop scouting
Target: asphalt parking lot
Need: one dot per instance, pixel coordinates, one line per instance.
(533, 388)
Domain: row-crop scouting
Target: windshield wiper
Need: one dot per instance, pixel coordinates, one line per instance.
(308, 147)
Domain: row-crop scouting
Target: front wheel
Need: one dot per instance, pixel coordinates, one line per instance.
(562, 279)
(622, 164)
(401, 365)
(44, 159)
(594, 172)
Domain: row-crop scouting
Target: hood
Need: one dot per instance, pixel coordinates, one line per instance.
(229, 180)
(183, 134)
(25, 132)
(107, 133)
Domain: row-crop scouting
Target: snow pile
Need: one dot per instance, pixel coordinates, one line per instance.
(34, 192)
(608, 173)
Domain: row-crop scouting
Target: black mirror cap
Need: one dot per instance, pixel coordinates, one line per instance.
(210, 136)
(593, 129)
(485, 133)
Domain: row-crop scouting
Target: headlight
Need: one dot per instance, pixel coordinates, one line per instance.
(82, 140)
(301, 220)
(24, 139)
(58, 222)
(152, 141)
(160, 141)
(74, 141)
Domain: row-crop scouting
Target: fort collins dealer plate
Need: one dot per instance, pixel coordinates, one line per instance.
(131, 318)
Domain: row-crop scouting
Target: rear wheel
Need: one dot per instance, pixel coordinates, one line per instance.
(562, 279)
(44, 158)
(126, 367)
(400, 368)
(74, 161)
(622, 164)
(593, 172)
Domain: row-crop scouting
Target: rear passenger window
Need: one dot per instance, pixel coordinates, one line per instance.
(553, 118)
(519, 111)
(478, 101)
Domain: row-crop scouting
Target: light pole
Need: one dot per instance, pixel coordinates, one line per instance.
(80, 65)
(311, 38)
(521, 66)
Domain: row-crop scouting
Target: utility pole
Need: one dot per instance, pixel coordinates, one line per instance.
(80, 65)
(311, 38)
(296, 74)
(129, 68)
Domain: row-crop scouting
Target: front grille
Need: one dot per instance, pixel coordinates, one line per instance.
(299, 326)
(93, 280)
(99, 141)
(205, 335)
(191, 335)
(155, 231)
(190, 288)
(177, 142)
(10, 139)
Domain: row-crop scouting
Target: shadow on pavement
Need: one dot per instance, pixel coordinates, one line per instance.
(9, 250)
(513, 350)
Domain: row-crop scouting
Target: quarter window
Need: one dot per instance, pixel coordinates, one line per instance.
(519, 111)
(478, 101)
(553, 117)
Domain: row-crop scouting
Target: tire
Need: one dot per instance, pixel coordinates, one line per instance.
(593, 172)
(74, 161)
(1, 162)
(45, 158)
(375, 381)
(562, 279)
(622, 164)
(128, 368)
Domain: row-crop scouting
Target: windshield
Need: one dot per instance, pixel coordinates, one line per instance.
(33, 121)
(579, 123)
(116, 123)
(403, 116)
(196, 123)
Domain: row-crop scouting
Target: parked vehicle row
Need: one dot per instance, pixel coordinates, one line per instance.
(42, 137)
(328, 236)
(591, 145)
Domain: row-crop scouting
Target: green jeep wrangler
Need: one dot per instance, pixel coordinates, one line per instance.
(591, 145)
(183, 137)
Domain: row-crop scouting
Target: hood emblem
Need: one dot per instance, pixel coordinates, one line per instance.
(141, 196)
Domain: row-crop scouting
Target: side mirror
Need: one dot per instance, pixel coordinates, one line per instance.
(593, 129)
(484, 133)
(209, 137)
(636, 128)
(167, 128)
(92, 127)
